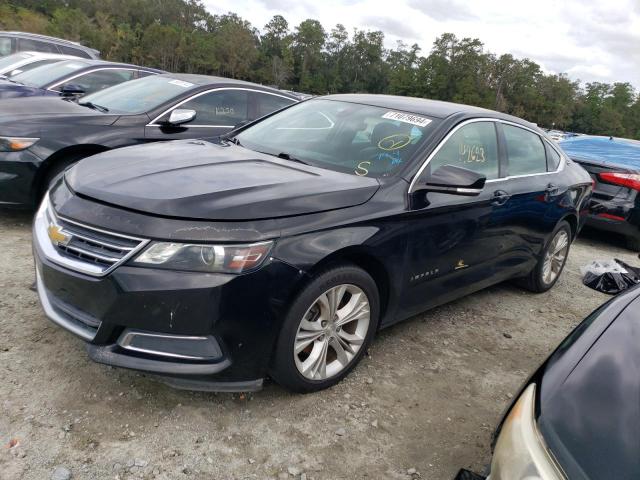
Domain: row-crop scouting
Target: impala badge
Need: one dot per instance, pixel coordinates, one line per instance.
(460, 265)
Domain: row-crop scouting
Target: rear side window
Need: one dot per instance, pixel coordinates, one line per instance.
(100, 79)
(73, 51)
(36, 45)
(5, 46)
(525, 152)
(474, 147)
(553, 158)
(270, 103)
(225, 108)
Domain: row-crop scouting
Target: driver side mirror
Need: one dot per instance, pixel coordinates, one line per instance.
(71, 89)
(180, 116)
(456, 181)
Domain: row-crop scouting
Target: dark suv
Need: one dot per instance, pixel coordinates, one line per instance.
(12, 42)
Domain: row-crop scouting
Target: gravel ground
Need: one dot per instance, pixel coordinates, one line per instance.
(422, 405)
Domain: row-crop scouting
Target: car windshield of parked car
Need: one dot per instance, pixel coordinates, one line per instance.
(138, 96)
(42, 76)
(348, 137)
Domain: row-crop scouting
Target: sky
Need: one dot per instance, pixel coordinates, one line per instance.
(589, 40)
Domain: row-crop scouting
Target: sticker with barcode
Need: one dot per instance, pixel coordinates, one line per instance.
(407, 118)
(181, 83)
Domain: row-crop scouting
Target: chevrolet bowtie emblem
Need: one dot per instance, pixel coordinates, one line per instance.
(57, 236)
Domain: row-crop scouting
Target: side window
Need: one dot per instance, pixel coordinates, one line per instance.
(265, 104)
(525, 151)
(27, 44)
(145, 73)
(223, 108)
(73, 51)
(474, 147)
(100, 79)
(553, 158)
(5, 46)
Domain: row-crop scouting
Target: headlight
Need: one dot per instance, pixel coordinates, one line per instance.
(205, 258)
(520, 453)
(15, 144)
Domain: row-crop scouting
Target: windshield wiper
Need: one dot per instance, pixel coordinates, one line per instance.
(94, 106)
(233, 140)
(287, 156)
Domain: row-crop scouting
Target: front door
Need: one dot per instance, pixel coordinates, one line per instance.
(454, 242)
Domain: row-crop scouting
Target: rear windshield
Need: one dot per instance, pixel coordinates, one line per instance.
(138, 96)
(42, 76)
(347, 137)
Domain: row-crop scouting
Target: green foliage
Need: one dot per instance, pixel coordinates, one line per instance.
(181, 36)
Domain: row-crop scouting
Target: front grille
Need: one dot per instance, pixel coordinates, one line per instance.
(83, 248)
(97, 247)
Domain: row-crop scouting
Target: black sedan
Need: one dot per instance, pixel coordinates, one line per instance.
(614, 165)
(282, 250)
(43, 136)
(578, 417)
(72, 77)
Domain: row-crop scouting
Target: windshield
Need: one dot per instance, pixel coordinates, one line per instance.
(342, 136)
(7, 62)
(138, 96)
(42, 76)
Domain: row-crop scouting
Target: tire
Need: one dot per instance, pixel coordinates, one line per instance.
(633, 243)
(56, 171)
(307, 323)
(538, 281)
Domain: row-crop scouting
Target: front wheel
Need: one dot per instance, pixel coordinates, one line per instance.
(552, 261)
(327, 329)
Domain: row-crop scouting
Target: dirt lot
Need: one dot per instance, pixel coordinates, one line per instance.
(427, 398)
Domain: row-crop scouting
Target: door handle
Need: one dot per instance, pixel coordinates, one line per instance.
(500, 197)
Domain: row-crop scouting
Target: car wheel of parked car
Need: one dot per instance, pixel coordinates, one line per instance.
(56, 171)
(552, 261)
(633, 243)
(327, 329)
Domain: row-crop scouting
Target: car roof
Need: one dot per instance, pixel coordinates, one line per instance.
(424, 106)
(89, 62)
(47, 38)
(202, 80)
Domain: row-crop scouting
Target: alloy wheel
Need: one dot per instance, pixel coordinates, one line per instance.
(331, 332)
(555, 257)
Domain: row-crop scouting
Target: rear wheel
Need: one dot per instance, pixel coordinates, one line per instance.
(552, 261)
(327, 330)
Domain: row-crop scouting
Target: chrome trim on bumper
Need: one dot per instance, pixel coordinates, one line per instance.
(59, 318)
(127, 337)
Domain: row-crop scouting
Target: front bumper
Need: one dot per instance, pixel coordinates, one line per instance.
(196, 330)
(17, 178)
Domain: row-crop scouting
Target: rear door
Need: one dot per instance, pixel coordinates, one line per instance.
(530, 191)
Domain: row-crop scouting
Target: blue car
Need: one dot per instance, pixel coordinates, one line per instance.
(614, 166)
(71, 77)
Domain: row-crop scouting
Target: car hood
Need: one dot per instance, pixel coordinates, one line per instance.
(201, 180)
(44, 108)
(14, 90)
(590, 394)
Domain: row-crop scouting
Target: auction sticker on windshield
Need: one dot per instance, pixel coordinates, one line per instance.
(407, 118)
(181, 83)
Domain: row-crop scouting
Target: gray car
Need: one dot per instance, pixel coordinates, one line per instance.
(12, 42)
